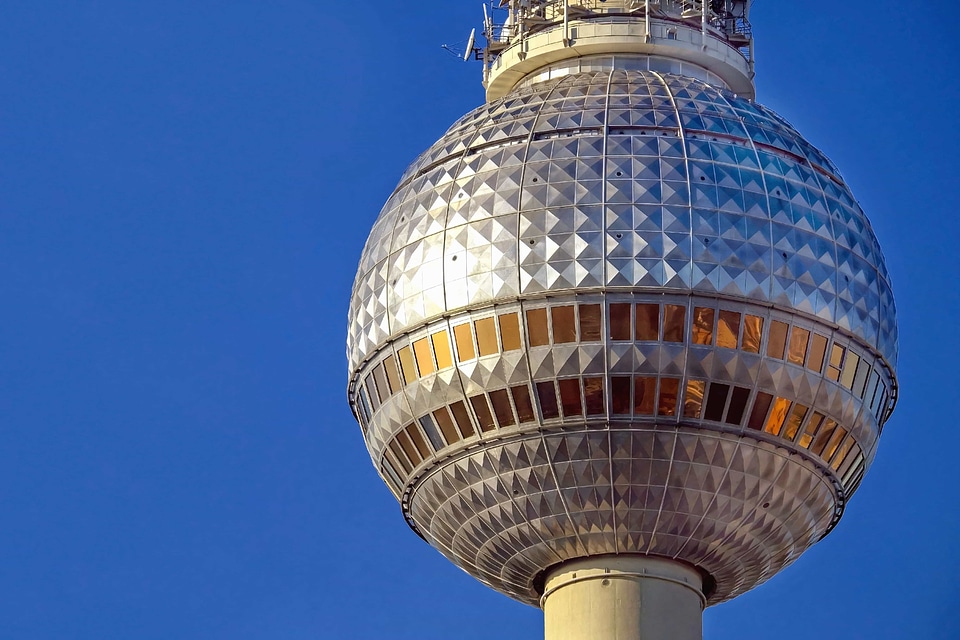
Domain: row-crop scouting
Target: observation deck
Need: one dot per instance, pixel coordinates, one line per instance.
(533, 40)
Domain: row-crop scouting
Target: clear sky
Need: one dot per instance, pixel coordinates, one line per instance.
(185, 188)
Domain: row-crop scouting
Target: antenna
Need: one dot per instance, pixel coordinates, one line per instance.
(470, 42)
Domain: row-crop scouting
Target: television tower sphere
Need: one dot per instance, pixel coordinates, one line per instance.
(622, 335)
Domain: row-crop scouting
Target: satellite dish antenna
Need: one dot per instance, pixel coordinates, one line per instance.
(470, 42)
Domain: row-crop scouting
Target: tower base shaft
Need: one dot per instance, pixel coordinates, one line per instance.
(623, 598)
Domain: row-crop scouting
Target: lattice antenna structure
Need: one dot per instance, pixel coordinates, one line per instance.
(622, 342)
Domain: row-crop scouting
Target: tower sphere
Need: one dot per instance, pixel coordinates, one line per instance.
(622, 311)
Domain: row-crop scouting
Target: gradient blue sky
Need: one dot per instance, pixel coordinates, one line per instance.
(185, 188)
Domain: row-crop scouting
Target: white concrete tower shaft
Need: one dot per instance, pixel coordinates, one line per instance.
(626, 597)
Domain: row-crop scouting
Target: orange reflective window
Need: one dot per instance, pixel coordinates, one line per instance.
(648, 322)
(482, 410)
(644, 396)
(849, 370)
(537, 331)
(441, 346)
(547, 396)
(806, 438)
(449, 431)
(564, 324)
(693, 398)
(837, 354)
(463, 336)
(777, 416)
(406, 364)
(716, 401)
(417, 438)
(669, 390)
(510, 331)
(397, 458)
(486, 336)
(728, 329)
(759, 413)
(521, 399)
(462, 416)
(501, 408)
(412, 455)
(797, 352)
(703, 318)
(393, 376)
(818, 350)
(674, 321)
(620, 322)
(738, 405)
(797, 415)
(777, 343)
(842, 452)
(421, 349)
(593, 396)
(850, 460)
(752, 333)
(570, 397)
(834, 443)
(590, 323)
(620, 395)
(823, 436)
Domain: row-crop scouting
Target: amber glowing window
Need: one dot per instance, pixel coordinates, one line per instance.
(486, 336)
(593, 396)
(510, 331)
(778, 339)
(644, 396)
(570, 397)
(590, 323)
(441, 345)
(669, 390)
(620, 395)
(760, 407)
(421, 349)
(537, 331)
(619, 321)
(728, 329)
(393, 376)
(797, 415)
(521, 399)
(738, 405)
(797, 352)
(806, 438)
(462, 416)
(849, 370)
(482, 411)
(836, 362)
(752, 333)
(417, 438)
(834, 443)
(648, 322)
(818, 350)
(463, 336)
(823, 436)
(716, 401)
(501, 408)
(412, 455)
(674, 319)
(406, 364)
(777, 416)
(564, 324)
(842, 452)
(703, 318)
(547, 395)
(449, 431)
(693, 398)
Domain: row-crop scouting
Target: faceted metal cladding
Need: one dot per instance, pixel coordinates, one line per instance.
(622, 312)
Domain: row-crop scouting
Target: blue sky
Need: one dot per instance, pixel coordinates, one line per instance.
(185, 188)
